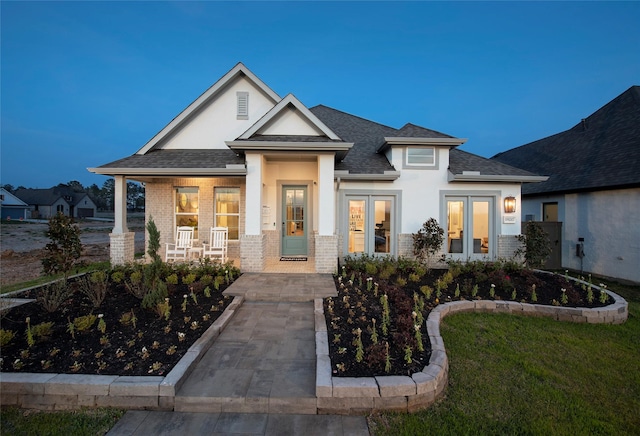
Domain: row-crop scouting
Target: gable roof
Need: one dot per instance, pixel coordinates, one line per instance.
(50, 196)
(600, 152)
(11, 200)
(239, 70)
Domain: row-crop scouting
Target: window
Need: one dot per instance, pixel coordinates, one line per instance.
(227, 210)
(470, 226)
(371, 224)
(243, 105)
(187, 208)
(421, 156)
(550, 211)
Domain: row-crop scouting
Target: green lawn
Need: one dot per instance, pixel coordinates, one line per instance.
(81, 423)
(520, 375)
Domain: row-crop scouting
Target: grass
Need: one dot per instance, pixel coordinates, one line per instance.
(46, 279)
(17, 422)
(520, 375)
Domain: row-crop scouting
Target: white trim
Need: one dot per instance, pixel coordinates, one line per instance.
(392, 140)
(493, 178)
(407, 164)
(232, 170)
(290, 99)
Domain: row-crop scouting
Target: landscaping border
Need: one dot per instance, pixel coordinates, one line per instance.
(363, 395)
(72, 391)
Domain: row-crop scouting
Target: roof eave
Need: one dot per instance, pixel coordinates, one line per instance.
(495, 178)
(232, 170)
(390, 141)
(387, 176)
(339, 148)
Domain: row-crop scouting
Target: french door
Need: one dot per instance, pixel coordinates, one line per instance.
(371, 224)
(294, 220)
(470, 229)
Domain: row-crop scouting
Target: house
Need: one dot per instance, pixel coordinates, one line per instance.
(288, 180)
(593, 188)
(45, 203)
(11, 207)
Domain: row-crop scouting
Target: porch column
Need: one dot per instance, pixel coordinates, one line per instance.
(252, 243)
(326, 196)
(326, 240)
(121, 240)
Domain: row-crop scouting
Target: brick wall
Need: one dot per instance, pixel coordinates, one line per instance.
(122, 247)
(326, 253)
(252, 252)
(507, 245)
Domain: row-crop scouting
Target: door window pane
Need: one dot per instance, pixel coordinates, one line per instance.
(294, 224)
(357, 217)
(455, 225)
(382, 224)
(480, 226)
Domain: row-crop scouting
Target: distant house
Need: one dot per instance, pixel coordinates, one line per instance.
(11, 207)
(45, 203)
(292, 181)
(593, 187)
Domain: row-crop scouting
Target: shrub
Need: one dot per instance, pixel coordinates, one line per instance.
(65, 248)
(536, 246)
(53, 295)
(428, 240)
(95, 287)
(6, 336)
(42, 330)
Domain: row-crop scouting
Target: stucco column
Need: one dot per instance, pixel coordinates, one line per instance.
(326, 195)
(120, 205)
(253, 196)
(121, 240)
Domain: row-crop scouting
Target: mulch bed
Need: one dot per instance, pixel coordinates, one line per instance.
(410, 299)
(149, 346)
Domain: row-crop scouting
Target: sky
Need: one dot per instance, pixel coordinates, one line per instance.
(85, 83)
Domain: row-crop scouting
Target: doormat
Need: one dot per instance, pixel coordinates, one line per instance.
(292, 259)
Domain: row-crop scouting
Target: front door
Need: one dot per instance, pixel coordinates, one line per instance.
(294, 221)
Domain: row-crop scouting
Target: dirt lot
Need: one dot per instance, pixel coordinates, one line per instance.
(22, 246)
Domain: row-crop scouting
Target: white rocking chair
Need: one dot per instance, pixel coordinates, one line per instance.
(217, 246)
(180, 249)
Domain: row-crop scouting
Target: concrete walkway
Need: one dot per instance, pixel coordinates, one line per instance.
(259, 375)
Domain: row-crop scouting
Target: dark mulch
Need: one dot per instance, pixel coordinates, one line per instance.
(118, 351)
(411, 298)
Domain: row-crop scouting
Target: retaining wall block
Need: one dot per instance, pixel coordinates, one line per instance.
(79, 384)
(136, 386)
(485, 305)
(324, 384)
(344, 387)
(424, 382)
(396, 385)
(420, 401)
(397, 404)
(461, 306)
(322, 343)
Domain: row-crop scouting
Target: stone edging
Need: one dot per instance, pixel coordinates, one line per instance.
(361, 395)
(72, 391)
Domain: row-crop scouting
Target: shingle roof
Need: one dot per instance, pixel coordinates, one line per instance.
(602, 152)
(38, 196)
(460, 161)
(188, 158)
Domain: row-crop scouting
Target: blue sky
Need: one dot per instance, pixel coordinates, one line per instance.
(86, 83)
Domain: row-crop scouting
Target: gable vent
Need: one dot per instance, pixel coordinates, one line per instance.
(243, 105)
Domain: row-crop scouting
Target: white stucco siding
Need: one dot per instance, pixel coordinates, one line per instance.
(290, 122)
(608, 222)
(217, 122)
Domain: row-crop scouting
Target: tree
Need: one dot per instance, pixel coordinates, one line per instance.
(9, 188)
(535, 247)
(428, 240)
(65, 248)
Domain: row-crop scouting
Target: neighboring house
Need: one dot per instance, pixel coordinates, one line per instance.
(292, 181)
(593, 187)
(11, 207)
(45, 203)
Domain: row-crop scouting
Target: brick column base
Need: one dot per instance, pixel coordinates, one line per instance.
(507, 246)
(326, 253)
(122, 247)
(252, 253)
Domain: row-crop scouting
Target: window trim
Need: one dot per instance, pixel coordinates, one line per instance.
(215, 214)
(424, 166)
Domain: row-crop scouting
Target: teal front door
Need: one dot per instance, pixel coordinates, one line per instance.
(294, 221)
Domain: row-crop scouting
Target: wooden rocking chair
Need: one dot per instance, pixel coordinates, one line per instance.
(180, 249)
(217, 246)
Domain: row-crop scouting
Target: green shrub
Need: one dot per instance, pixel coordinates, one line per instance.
(428, 240)
(53, 295)
(536, 245)
(63, 252)
(6, 336)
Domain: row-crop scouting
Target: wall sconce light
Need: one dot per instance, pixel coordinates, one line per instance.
(509, 204)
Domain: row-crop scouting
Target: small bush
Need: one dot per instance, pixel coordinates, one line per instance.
(42, 330)
(95, 287)
(6, 336)
(84, 323)
(53, 295)
(428, 240)
(65, 248)
(536, 246)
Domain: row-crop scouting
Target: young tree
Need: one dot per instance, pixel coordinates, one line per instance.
(536, 246)
(65, 248)
(428, 240)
